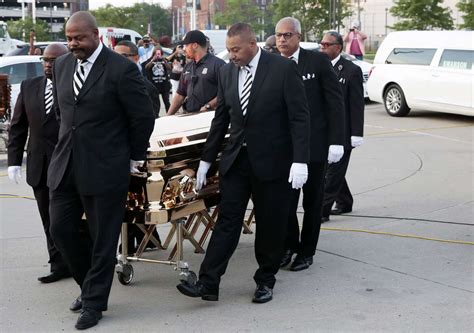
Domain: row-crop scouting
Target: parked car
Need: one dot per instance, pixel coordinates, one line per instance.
(18, 69)
(427, 70)
(24, 49)
(364, 66)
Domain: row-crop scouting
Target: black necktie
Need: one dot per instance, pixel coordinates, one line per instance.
(79, 77)
(244, 97)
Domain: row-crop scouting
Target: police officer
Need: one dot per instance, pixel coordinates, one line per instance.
(197, 90)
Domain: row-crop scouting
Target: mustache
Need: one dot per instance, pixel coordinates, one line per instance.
(76, 49)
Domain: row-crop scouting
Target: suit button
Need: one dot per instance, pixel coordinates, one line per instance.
(73, 128)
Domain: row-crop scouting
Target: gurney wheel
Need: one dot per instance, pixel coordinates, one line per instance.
(126, 275)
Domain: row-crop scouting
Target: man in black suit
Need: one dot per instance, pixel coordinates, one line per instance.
(350, 78)
(327, 135)
(261, 96)
(106, 120)
(33, 113)
(130, 51)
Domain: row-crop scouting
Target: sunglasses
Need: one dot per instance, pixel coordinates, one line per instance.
(325, 44)
(128, 55)
(49, 60)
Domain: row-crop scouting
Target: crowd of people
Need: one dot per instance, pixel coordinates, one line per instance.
(293, 116)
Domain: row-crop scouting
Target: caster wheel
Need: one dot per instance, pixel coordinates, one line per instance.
(126, 275)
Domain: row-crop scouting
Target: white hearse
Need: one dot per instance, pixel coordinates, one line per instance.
(424, 70)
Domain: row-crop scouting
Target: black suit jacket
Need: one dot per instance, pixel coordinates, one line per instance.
(276, 125)
(351, 80)
(109, 124)
(325, 102)
(43, 130)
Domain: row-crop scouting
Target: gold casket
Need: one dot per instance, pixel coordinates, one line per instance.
(165, 192)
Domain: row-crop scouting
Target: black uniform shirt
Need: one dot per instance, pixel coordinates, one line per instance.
(198, 83)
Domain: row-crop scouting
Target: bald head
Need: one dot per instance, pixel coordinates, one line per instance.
(82, 35)
(85, 19)
(51, 52)
(55, 49)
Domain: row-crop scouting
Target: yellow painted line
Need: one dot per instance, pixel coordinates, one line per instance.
(16, 197)
(426, 129)
(400, 235)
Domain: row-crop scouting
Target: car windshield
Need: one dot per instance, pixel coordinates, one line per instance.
(20, 50)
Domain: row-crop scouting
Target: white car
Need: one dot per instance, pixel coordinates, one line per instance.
(424, 70)
(364, 66)
(18, 69)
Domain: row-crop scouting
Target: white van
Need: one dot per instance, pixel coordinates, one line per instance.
(424, 70)
(111, 36)
(217, 39)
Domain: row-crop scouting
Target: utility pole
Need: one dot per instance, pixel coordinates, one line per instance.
(358, 13)
(193, 26)
(386, 14)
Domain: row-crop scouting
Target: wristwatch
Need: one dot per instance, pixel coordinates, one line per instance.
(207, 106)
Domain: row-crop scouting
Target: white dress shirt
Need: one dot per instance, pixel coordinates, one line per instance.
(295, 56)
(90, 61)
(335, 60)
(253, 69)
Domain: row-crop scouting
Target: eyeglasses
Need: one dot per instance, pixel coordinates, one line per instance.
(286, 35)
(49, 60)
(128, 54)
(325, 44)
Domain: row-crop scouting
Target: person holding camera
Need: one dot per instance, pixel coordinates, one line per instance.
(177, 59)
(156, 70)
(197, 89)
(354, 40)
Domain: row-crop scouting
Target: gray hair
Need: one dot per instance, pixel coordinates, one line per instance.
(295, 22)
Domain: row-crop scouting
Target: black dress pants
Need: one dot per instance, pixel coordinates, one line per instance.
(41, 192)
(312, 204)
(92, 269)
(270, 200)
(336, 188)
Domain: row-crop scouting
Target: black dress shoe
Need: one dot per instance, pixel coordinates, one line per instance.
(263, 294)
(88, 318)
(76, 305)
(301, 263)
(198, 290)
(286, 258)
(339, 211)
(324, 219)
(54, 276)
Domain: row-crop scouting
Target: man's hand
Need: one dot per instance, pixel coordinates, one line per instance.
(298, 175)
(134, 166)
(356, 141)
(14, 173)
(202, 174)
(335, 153)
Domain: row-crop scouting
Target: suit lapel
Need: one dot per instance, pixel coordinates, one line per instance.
(40, 93)
(339, 67)
(302, 61)
(95, 73)
(235, 89)
(262, 70)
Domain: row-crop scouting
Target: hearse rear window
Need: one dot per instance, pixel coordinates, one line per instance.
(457, 59)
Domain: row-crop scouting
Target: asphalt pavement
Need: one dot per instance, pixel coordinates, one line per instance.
(402, 261)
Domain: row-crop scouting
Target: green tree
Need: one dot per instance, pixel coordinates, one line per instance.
(240, 11)
(421, 15)
(136, 18)
(314, 15)
(16, 29)
(467, 7)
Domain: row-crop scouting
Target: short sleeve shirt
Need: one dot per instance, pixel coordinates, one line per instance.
(198, 83)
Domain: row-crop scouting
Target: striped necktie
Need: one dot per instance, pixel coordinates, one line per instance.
(294, 59)
(79, 77)
(48, 96)
(244, 97)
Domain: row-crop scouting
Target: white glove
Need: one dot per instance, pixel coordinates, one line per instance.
(14, 173)
(356, 141)
(335, 153)
(298, 175)
(201, 174)
(134, 166)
